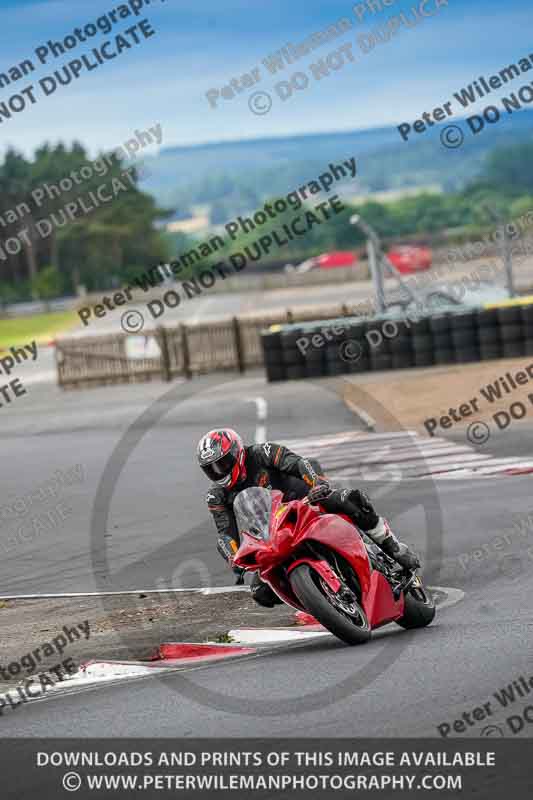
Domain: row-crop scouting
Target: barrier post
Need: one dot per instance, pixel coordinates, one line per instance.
(185, 352)
(238, 344)
(165, 356)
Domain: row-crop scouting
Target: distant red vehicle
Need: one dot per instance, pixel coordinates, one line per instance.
(339, 258)
(333, 260)
(408, 258)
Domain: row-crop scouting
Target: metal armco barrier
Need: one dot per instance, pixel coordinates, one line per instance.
(353, 345)
(165, 353)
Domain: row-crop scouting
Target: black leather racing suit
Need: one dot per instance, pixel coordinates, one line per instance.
(276, 467)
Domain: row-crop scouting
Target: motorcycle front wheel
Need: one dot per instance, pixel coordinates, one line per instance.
(419, 608)
(340, 614)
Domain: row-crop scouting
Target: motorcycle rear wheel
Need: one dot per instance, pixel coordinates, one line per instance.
(419, 609)
(306, 585)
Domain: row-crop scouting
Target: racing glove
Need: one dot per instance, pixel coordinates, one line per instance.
(227, 548)
(319, 493)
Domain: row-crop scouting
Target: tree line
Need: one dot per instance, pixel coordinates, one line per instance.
(59, 230)
(108, 245)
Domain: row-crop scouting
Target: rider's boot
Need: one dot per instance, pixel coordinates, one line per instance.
(263, 594)
(391, 546)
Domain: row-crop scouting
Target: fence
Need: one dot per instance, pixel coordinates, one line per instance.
(183, 350)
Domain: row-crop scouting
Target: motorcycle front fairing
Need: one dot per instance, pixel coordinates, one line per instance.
(268, 527)
(341, 536)
(271, 532)
(266, 543)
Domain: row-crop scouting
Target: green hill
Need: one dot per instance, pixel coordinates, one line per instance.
(233, 177)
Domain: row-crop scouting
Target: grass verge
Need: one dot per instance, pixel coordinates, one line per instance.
(39, 327)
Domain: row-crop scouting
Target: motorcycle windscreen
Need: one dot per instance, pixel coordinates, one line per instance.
(253, 510)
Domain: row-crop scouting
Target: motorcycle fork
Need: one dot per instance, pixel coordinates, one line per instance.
(343, 578)
(399, 580)
(408, 580)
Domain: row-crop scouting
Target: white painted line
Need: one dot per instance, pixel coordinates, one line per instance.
(507, 463)
(363, 472)
(486, 467)
(204, 590)
(221, 589)
(349, 436)
(371, 456)
(368, 421)
(115, 669)
(456, 474)
(402, 473)
(260, 428)
(421, 450)
(467, 460)
(347, 450)
(410, 470)
(414, 458)
(273, 635)
(81, 681)
(484, 474)
(401, 446)
(395, 445)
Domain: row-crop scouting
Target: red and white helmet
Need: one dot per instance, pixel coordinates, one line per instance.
(221, 455)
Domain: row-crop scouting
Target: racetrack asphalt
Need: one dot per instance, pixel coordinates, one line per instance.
(400, 684)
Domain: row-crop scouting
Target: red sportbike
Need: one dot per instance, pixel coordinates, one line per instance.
(321, 563)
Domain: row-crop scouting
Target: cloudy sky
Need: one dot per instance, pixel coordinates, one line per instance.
(202, 45)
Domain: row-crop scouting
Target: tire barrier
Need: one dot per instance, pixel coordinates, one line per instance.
(352, 345)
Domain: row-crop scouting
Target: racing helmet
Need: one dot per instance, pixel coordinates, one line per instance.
(221, 456)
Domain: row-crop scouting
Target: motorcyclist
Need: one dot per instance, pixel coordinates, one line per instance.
(233, 466)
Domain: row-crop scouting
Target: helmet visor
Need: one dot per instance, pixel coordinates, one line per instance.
(217, 470)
